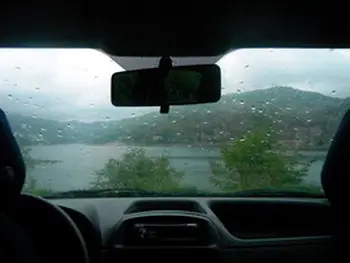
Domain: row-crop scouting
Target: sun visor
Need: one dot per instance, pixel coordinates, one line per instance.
(336, 168)
(12, 167)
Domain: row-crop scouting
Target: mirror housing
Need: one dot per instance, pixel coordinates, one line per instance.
(182, 85)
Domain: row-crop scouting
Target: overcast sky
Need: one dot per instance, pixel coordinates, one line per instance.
(75, 84)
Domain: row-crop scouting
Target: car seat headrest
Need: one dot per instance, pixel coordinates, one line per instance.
(12, 167)
(336, 167)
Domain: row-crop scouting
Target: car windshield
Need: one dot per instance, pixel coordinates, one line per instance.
(270, 130)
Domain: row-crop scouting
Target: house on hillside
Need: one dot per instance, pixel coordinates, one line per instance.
(292, 144)
(157, 138)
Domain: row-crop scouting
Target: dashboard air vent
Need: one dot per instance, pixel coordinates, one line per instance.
(161, 205)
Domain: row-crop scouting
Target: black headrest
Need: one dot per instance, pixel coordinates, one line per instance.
(12, 167)
(336, 168)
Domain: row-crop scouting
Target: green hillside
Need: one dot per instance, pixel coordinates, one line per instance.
(307, 117)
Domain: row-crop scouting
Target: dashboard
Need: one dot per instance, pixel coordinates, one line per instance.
(210, 229)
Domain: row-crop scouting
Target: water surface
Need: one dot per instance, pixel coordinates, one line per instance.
(78, 162)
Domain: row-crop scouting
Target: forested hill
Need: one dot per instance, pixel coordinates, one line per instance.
(308, 117)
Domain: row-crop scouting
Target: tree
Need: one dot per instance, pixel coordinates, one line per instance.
(136, 170)
(252, 163)
(29, 161)
(31, 187)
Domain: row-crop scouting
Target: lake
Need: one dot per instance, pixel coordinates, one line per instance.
(79, 161)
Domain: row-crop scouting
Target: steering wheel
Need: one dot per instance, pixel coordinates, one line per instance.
(51, 230)
(15, 246)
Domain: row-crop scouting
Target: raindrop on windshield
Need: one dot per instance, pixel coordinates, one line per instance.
(241, 81)
(333, 92)
(37, 88)
(238, 90)
(174, 121)
(309, 120)
(241, 102)
(18, 67)
(260, 111)
(246, 66)
(208, 111)
(10, 96)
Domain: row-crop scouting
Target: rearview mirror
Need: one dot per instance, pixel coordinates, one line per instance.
(176, 86)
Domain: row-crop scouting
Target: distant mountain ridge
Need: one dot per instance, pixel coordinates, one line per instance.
(308, 117)
(33, 130)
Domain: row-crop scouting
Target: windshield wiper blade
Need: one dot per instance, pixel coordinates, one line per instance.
(131, 192)
(274, 193)
(111, 192)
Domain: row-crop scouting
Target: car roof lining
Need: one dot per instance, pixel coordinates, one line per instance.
(196, 29)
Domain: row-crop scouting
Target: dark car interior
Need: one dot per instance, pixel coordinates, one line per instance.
(212, 229)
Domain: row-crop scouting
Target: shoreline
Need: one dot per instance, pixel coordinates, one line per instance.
(185, 145)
